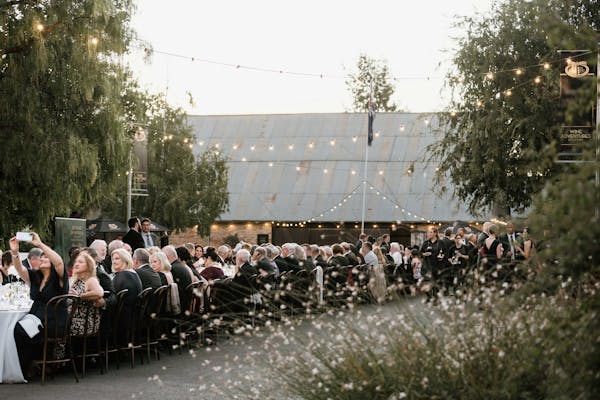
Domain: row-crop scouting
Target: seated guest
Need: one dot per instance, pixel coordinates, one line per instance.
(244, 271)
(149, 277)
(337, 259)
(262, 262)
(126, 278)
(182, 275)
(211, 270)
(85, 285)
(108, 302)
(160, 264)
(48, 281)
(198, 256)
(101, 249)
(185, 257)
(6, 263)
(33, 259)
(112, 246)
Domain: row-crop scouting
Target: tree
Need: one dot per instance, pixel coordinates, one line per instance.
(63, 140)
(371, 72)
(500, 133)
(182, 192)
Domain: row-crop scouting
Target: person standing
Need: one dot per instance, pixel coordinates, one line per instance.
(150, 238)
(133, 237)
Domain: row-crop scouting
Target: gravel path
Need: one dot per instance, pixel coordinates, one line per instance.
(238, 367)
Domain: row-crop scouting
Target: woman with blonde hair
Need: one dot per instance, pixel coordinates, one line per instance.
(160, 264)
(377, 282)
(85, 285)
(126, 278)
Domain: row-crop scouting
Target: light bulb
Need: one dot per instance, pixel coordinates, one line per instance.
(489, 76)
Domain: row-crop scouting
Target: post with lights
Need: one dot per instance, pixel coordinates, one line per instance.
(140, 151)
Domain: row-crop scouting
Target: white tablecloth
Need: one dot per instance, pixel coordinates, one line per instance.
(10, 370)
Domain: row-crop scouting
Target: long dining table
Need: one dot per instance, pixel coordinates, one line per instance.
(10, 370)
(14, 305)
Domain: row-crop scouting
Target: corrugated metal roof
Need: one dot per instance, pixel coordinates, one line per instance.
(318, 162)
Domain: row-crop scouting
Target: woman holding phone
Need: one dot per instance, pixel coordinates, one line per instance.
(49, 281)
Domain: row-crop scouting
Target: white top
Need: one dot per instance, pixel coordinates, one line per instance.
(371, 258)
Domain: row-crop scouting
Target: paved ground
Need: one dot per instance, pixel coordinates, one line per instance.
(239, 367)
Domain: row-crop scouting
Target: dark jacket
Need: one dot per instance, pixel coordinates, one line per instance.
(182, 277)
(148, 276)
(134, 239)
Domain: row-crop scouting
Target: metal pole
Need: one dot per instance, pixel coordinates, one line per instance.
(129, 187)
(362, 223)
(364, 199)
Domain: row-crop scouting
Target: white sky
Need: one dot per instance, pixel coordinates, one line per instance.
(314, 36)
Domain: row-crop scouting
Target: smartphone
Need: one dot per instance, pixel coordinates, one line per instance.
(24, 237)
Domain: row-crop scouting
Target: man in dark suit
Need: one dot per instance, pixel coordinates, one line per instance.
(244, 272)
(350, 256)
(149, 277)
(510, 240)
(182, 275)
(150, 238)
(288, 252)
(317, 257)
(133, 237)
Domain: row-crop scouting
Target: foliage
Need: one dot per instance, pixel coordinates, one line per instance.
(371, 72)
(182, 191)
(498, 147)
(569, 251)
(545, 348)
(232, 240)
(62, 136)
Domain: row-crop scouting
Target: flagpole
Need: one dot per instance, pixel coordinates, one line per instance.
(364, 199)
(362, 223)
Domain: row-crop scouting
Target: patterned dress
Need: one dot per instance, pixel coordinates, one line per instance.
(86, 314)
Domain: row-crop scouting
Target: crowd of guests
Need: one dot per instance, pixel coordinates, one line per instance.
(98, 272)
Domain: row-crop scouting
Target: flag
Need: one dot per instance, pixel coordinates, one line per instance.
(371, 116)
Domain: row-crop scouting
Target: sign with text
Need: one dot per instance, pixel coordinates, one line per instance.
(572, 141)
(68, 232)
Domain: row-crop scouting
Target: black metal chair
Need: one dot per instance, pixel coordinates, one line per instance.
(91, 331)
(56, 336)
(111, 343)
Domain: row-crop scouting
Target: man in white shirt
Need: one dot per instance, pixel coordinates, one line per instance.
(396, 253)
(367, 251)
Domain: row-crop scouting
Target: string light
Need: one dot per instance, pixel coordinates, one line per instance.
(537, 79)
(39, 27)
(94, 41)
(519, 71)
(489, 76)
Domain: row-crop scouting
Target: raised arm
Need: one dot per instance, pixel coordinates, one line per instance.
(14, 251)
(53, 256)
